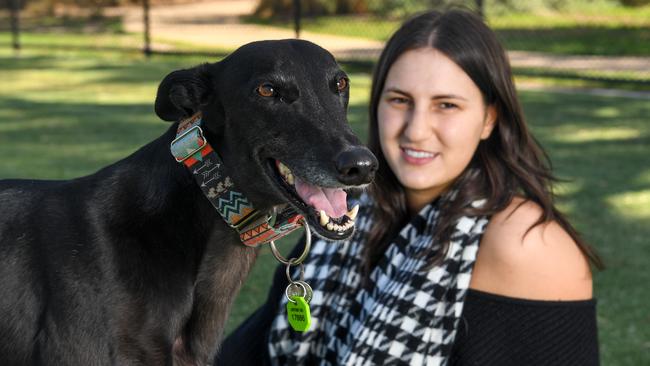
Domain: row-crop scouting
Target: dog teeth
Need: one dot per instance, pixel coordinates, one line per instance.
(286, 173)
(328, 223)
(324, 219)
(352, 214)
(283, 169)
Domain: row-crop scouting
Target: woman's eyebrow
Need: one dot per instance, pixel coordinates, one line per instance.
(448, 96)
(395, 90)
(435, 97)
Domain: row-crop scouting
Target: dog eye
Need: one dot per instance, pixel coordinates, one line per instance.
(265, 90)
(342, 84)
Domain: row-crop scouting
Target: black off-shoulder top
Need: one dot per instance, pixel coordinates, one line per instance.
(499, 330)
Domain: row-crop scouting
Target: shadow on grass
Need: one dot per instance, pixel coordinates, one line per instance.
(358, 118)
(66, 140)
(25, 63)
(580, 40)
(59, 24)
(114, 70)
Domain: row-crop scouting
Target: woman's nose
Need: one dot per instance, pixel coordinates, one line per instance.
(418, 124)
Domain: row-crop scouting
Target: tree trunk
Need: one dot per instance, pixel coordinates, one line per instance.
(147, 36)
(15, 25)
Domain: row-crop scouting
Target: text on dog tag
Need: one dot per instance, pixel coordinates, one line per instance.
(298, 314)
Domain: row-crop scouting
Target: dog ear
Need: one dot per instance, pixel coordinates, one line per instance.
(182, 92)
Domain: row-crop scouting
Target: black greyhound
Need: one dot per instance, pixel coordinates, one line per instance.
(132, 265)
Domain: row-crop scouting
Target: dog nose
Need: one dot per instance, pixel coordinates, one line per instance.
(356, 166)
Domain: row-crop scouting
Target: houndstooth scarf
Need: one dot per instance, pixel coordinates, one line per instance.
(406, 316)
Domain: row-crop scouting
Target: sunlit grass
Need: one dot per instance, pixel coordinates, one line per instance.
(633, 205)
(608, 16)
(567, 189)
(551, 79)
(55, 40)
(598, 134)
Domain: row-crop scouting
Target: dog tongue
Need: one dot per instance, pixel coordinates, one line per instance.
(330, 200)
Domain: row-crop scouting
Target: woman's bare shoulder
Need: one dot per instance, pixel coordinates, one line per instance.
(544, 263)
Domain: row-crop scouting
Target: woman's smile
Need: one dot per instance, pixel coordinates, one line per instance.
(417, 157)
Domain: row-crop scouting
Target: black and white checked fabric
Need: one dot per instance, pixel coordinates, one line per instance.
(406, 315)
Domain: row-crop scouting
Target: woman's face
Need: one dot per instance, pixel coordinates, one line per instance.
(431, 118)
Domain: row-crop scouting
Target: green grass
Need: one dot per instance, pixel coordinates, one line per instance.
(589, 78)
(64, 114)
(369, 27)
(579, 40)
(581, 82)
(74, 41)
(609, 30)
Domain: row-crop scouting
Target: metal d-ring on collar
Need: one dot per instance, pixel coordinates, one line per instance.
(305, 251)
(292, 262)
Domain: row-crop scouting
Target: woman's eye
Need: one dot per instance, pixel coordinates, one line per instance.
(398, 100)
(447, 105)
(265, 90)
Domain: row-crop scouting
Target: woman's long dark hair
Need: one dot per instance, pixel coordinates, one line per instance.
(509, 163)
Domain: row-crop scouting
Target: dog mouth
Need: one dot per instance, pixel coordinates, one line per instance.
(325, 209)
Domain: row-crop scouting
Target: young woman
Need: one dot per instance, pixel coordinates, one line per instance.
(460, 257)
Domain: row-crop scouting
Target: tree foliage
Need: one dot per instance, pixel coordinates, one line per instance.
(635, 2)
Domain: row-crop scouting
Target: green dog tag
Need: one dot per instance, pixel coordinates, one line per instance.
(298, 314)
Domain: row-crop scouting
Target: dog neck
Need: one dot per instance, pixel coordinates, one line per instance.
(171, 218)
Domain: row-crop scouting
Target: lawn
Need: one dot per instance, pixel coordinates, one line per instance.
(605, 30)
(64, 114)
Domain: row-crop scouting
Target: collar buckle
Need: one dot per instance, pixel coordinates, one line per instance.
(188, 143)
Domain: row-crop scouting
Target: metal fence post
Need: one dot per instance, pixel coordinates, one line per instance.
(147, 36)
(15, 26)
(296, 17)
(480, 8)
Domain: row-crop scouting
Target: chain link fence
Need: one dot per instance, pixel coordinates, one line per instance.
(605, 40)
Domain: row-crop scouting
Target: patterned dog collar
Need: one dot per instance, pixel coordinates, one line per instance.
(191, 148)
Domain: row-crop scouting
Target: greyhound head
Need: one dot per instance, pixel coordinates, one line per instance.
(275, 111)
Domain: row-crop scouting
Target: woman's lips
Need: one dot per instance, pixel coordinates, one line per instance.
(417, 157)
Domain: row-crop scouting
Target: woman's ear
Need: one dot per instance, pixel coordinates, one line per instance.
(182, 92)
(489, 121)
